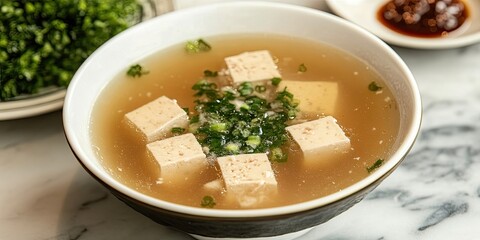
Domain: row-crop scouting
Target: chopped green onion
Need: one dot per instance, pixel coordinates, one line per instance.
(245, 107)
(260, 88)
(232, 147)
(245, 89)
(206, 88)
(277, 155)
(374, 87)
(302, 68)
(218, 127)
(375, 165)
(208, 202)
(276, 81)
(288, 102)
(195, 119)
(197, 46)
(236, 120)
(136, 71)
(208, 73)
(253, 141)
(178, 130)
(43, 43)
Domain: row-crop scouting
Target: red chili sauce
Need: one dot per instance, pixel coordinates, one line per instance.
(423, 18)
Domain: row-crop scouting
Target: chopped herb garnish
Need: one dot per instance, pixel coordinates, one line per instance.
(302, 68)
(276, 81)
(194, 119)
(288, 102)
(197, 46)
(260, 88)
(253, 141)
(374, 87)
(43, 43)
(136, 71)
(277, 155)
(178, 130)
(208, 73)
(232, 148)
(219, 127)
(238, 120)
(375, 165)
(186, 110)
(208, 202)
(206, 88)
(245, 89)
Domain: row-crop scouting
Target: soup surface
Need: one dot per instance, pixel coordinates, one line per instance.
(366, 110)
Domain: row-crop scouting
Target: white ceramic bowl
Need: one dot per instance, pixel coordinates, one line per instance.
(227, 18)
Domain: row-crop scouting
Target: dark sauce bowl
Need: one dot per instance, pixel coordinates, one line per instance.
(286, 222)
(369, 13)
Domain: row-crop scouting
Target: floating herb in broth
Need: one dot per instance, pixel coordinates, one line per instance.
(371, 121)
(136, 71)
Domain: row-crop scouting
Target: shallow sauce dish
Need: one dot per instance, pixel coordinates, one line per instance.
(364, 13)
(136, 43)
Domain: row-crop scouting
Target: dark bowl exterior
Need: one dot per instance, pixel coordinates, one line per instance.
(248, 227)
(245, 227)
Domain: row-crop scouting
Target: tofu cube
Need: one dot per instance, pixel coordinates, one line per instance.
(319, 139)
(156, 118)
(179, 157)
(315, 97)
(215, 186)
(249, 178)
(252, 67)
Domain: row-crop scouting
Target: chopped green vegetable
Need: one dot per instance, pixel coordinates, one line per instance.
(277, 155)
(206, 88)
(136, 71)
(232, 148)
(208, 202)
(288, 103)
(253, 141)
(260, 88)
(42, 43)
(218, 127)
(302, 68)
(208, 73)
(197, 46)
(276, 81)
(375, 165)
(194, 119)
(245, 89)
(374, 87)
(178, 130)
(241, 120)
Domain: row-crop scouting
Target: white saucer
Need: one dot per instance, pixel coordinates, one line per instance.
(47, 100)
(364, 13)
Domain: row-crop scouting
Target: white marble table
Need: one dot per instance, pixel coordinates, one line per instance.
(435, 193)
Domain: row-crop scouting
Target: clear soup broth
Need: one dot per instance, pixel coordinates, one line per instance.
(369, 118)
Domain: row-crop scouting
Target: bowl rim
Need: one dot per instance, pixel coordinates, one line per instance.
(393, 162)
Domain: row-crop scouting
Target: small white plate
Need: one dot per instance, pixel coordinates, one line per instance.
(364, 13)
(47, 100)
